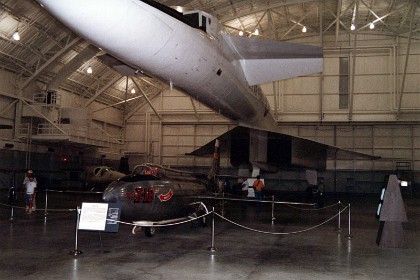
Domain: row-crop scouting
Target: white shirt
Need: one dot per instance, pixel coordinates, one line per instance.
(245, 185)
(26, 180)
(30, 187)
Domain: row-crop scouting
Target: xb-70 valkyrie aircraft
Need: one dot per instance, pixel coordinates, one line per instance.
(193, 52)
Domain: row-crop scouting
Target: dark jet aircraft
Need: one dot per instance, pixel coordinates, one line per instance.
(99, 177)
(154, 195)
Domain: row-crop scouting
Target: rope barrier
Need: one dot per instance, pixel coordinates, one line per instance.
(39, 209)
(281, 233)
(191, 219)
(305, 209)
(315, 209)
(78, 192)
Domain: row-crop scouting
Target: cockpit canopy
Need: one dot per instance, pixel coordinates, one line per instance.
(147, 169)
(204, 21)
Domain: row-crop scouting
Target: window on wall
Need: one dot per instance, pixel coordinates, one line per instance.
(343, 87)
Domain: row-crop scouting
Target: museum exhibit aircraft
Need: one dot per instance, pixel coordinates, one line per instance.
(99, 177)
(192, 52)
(155, 195)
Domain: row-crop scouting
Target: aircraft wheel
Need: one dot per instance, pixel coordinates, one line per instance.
(149, 231)
(136, 229)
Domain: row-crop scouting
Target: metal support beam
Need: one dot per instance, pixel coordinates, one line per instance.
(407, 55)
(99, 92)
(8, 107)
(70, 67)
(353, 70)
(293, 27)
(133, 111)
(195, 109)
(147, 99)
(337, 21)
(321, 77)
(49, 62)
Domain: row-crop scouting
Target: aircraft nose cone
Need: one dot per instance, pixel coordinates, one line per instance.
(109, 195)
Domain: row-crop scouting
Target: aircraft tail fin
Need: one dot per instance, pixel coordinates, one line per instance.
(265, 60)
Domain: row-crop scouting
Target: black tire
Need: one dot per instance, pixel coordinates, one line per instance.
(149, 231)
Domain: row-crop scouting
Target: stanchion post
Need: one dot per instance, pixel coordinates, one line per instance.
(212, 248)
(46, 202)
(76, 251)
(272, 210)
(11, 213)
(349, 236)
(223, 204)
(12, 196)
(339, 216)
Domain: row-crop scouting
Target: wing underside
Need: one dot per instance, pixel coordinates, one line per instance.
(282, 150)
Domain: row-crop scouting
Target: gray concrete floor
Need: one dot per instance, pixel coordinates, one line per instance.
(35, 247)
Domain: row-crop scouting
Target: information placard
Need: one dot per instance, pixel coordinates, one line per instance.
(93, 216)
(113, 217)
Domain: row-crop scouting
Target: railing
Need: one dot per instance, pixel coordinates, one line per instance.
(81, 134)
(50, 98)
(23, 130)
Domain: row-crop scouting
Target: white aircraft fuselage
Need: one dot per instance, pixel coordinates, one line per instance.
(200, 61)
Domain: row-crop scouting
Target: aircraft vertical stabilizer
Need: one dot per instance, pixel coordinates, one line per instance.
(265, 61)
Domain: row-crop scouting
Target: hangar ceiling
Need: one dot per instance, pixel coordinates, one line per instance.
(51, 53)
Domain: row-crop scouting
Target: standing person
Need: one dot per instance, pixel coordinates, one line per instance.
(258, 186)
(226, 186)
(29, 174)
(321, 188)
(244, 187)
(30, 192)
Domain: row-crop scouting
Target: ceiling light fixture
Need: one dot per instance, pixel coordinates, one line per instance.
(16, 35)
(179, 9)
(133, 91)
(304, 29)
(241, 33)
(372, 25)
(353, 27)
(257, 32)
(89, 70)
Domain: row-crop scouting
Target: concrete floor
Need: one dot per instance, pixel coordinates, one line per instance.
(35, 247)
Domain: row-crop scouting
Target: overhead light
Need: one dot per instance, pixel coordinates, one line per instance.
(241, 33)
(89, 70)
(179, 9)
(16, 35)
(372, 25)
(133, 91)
(257, 32)
(353, 27)
(304, 29)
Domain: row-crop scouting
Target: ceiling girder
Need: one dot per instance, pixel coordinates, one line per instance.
(50, 61)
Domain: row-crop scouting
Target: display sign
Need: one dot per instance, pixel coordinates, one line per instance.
(93, 216)
(113, 216)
